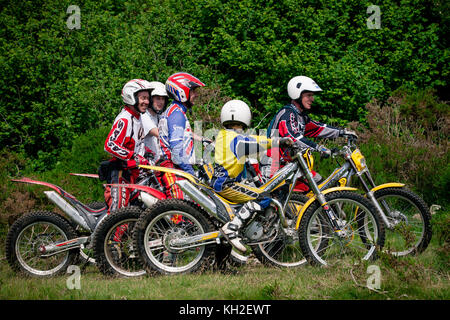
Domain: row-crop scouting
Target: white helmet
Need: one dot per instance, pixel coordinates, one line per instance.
(235, 111)
(159, 89)
(131, 88)
(299, 84)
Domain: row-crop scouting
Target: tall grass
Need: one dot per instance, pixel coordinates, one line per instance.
(407, 278)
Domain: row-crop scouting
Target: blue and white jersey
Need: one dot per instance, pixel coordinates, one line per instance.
(176, 137)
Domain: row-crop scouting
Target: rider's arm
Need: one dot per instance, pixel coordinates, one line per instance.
(154, 132)
(250, 145)
(114, 143)
(315, 129)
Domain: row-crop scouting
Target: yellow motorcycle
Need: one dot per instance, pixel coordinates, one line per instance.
(406, 217)
(179, 236)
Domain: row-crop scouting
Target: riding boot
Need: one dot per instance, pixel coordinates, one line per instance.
(230, 229)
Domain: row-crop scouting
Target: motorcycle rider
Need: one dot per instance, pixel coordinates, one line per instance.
(123, 142)
(175, 134)
(293, 121)
(150, 119)
(231, 150)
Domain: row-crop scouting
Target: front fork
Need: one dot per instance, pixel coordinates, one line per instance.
(375, 202)
(333, 219)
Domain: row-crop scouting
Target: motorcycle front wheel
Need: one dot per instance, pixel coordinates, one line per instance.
(32, 231)
(410, 218)
(360, 236)
(113, 244)
(168, 220)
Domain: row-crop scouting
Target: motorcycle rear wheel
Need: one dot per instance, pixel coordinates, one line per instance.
(170, 219)
(33, 230)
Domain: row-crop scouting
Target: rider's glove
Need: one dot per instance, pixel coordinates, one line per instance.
(346, 132)
(149, 154)
(137, 160)
(324, 151)
(140, 160)
(285, 142)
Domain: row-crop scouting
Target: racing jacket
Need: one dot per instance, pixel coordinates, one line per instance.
(176, 137)
(126, 135)
(290, 122)
(231, 151)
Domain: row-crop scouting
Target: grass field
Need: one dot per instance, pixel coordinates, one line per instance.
(425, 277)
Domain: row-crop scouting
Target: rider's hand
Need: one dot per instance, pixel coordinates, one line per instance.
(149, 154)
(346, 132)
(285, 142)
(140, 160)
(136, 161)
(324, 151)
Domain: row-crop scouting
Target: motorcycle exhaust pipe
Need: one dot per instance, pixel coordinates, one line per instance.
(67, 208)
(198, 197)
(147, 199)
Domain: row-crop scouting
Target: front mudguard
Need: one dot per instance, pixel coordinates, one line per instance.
(312, 199)
(388, 185)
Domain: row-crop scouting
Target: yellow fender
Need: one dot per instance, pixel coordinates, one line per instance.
(312, 199)
(388, 185)
(181, 173)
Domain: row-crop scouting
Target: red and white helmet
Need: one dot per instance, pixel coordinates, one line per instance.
(131, 88)
(299, 84)
(180, 84)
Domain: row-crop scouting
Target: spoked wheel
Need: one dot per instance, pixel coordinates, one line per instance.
(31, 232)
(360, 235)
(284, 250)
(113, 244)
(167, 222)
(410, 218)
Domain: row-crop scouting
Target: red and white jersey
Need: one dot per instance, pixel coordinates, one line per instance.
(126, 135)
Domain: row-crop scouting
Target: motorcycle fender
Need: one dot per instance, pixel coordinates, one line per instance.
(312, 199)
(388, 185)
(177, 172)
(42, 183)
(156, 193)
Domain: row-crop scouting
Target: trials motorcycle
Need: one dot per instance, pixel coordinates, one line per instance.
(406, 217)
(179, 236)
(44, 243)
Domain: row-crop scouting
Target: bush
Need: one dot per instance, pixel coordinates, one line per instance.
(408, 139)
(57, 83)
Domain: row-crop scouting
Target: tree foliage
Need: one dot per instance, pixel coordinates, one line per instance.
(58, 82)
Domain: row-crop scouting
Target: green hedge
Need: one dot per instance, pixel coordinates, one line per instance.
(56, 83)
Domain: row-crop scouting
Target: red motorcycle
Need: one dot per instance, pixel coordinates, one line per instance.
(44, 243)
